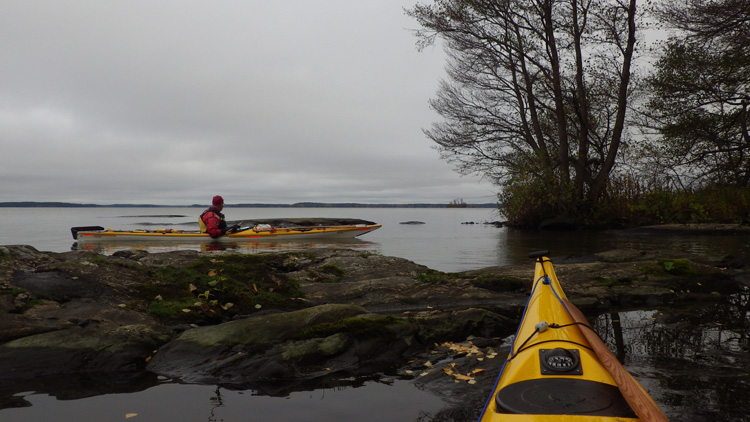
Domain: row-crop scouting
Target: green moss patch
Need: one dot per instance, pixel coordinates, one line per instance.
(327, 274)
(434, 277)
(673, 267)
(216, 288)
(357, 327)
(500, 283)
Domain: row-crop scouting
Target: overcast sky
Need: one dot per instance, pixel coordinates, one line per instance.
(172, 102)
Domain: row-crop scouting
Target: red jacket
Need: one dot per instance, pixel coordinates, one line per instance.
(214, 223)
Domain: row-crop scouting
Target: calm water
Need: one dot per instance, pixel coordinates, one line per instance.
(387, 400)
(443, 242)
(695, 364)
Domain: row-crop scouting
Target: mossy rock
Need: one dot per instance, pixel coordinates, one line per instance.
(219, 288)
(500, 283)
(434, 277)
(671, 267)
(361, 326)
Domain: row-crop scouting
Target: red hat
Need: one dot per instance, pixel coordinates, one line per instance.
(218, 201)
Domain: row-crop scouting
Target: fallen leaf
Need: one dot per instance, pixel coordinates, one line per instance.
(158, 297)
(186, 310)
(472, 381)
(462, 377)
(477, 371)
(130, 415)
(255, 288)
(258, 306)
(192, 287)
(212, 273)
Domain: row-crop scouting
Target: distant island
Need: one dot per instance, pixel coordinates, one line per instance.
(32, 204)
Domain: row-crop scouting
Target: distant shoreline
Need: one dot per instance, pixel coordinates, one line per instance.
(32, 204)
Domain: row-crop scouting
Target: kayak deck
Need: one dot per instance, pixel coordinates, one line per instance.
(553, 371)
(258, 232)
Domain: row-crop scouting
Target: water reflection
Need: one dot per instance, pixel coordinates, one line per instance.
(73, 387)
(382, 399)
(695, 362)
(514, 245)
(248, 247)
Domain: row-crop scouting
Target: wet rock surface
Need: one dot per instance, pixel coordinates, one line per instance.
(317, 314)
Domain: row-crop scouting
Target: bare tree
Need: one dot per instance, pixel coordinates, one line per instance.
(537, 91)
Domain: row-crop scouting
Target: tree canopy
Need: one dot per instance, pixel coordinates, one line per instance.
(536, 96)
(701, 92)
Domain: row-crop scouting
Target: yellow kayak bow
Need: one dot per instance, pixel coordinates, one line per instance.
(559, 369)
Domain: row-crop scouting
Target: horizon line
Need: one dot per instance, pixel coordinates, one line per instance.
(306, 204)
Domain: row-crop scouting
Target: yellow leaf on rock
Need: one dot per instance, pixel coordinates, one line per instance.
(130, 415)
(461, 377)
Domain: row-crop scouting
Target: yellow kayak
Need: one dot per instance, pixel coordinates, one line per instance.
(558, 368)
(255, 233)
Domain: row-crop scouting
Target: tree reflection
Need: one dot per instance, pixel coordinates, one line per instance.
(693, 361)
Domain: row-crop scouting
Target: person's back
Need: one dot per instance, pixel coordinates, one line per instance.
(211, 221)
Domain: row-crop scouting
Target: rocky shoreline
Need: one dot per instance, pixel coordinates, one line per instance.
(280, 322)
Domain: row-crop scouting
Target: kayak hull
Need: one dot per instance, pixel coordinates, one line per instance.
(555, 371)
(250, 234)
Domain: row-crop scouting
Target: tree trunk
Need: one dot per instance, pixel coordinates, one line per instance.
(600, 182)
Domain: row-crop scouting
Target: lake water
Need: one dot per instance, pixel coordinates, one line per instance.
(444, 242)
(696, 368)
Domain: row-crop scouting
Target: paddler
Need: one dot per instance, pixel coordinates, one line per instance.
(212, 220)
